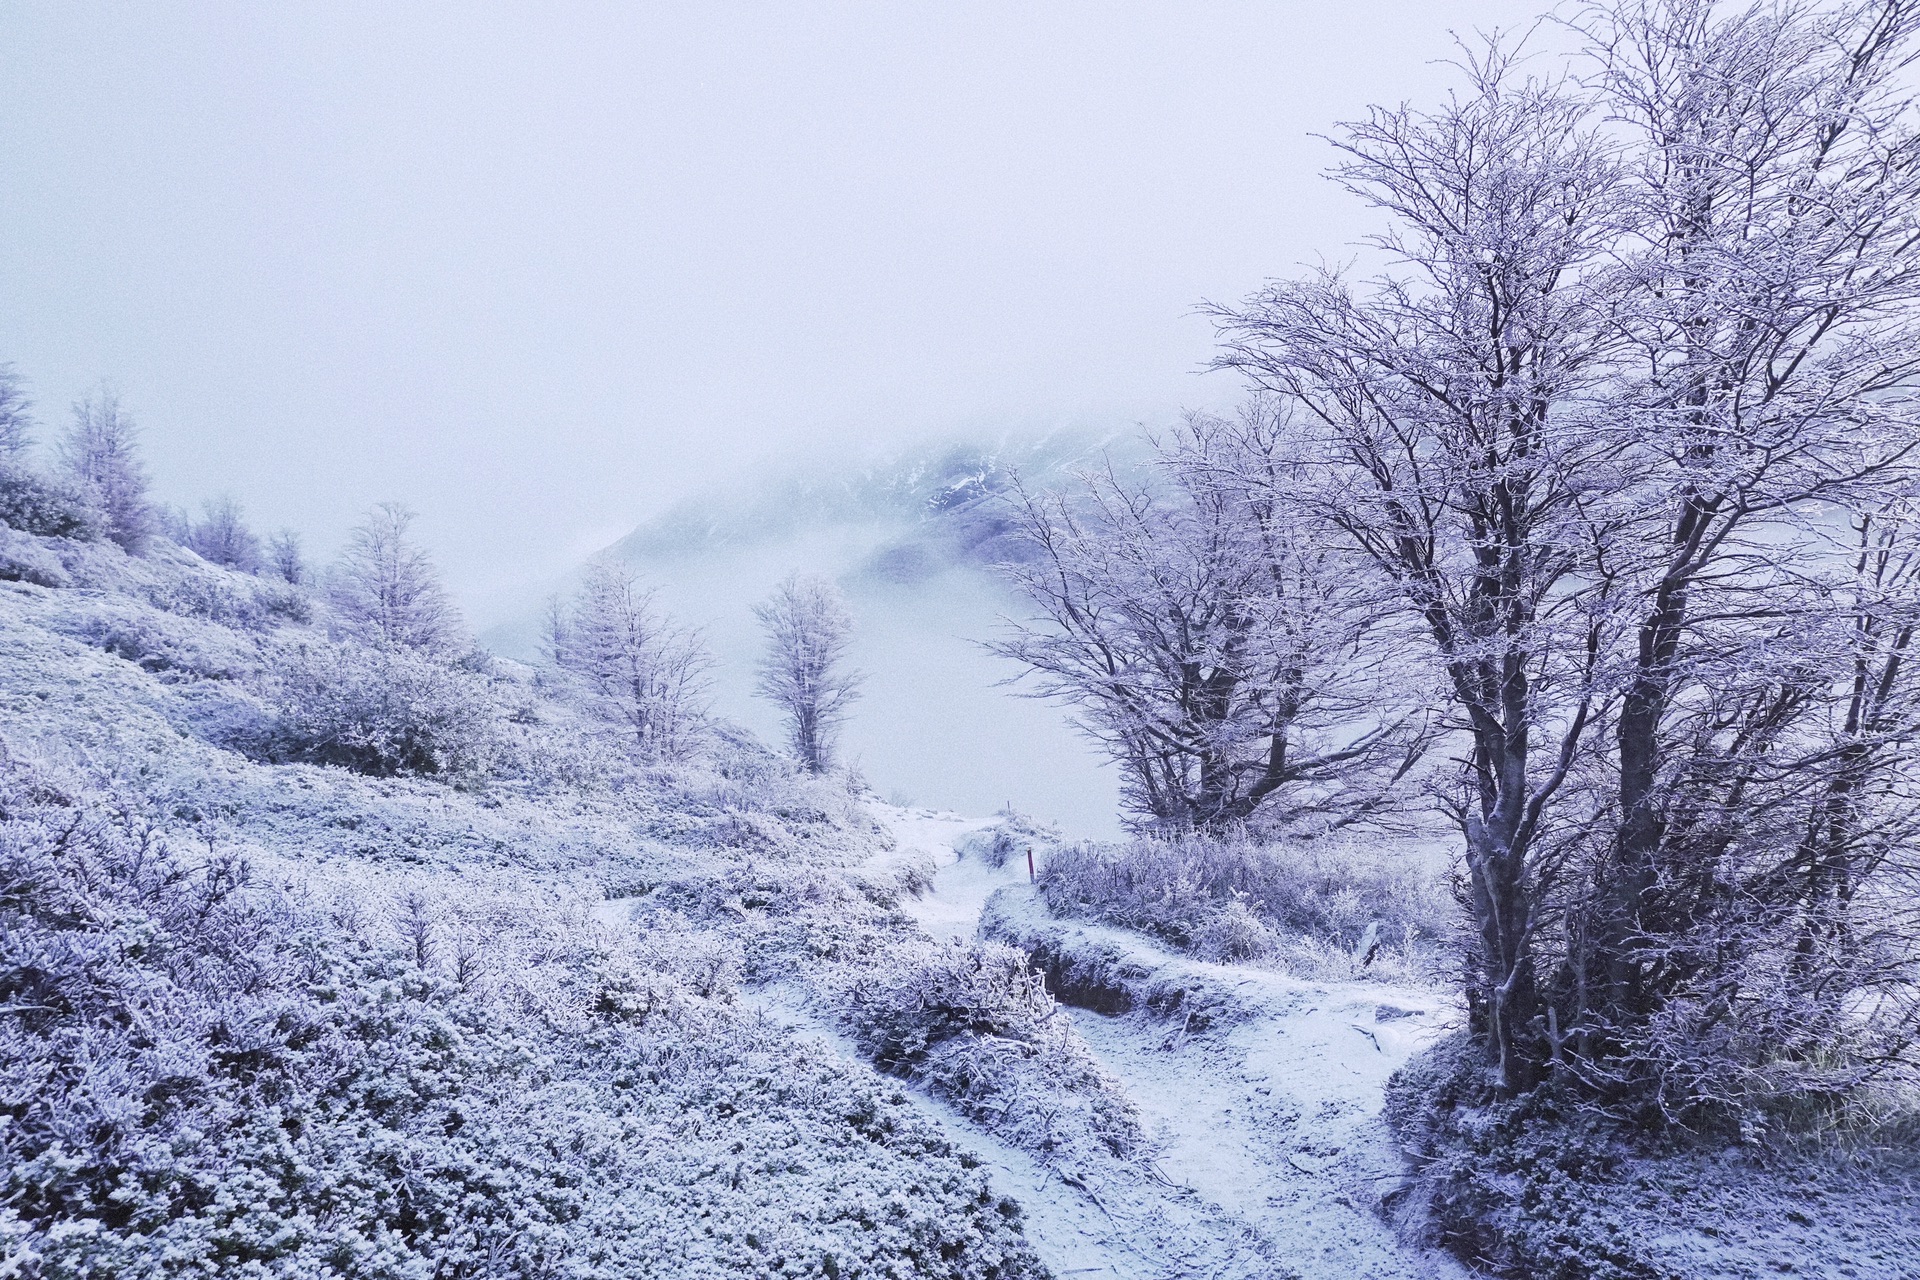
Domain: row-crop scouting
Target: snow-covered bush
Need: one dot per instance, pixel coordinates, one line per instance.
(202, 1076)
(230, 599)
(221, 537)
(1014, 833)
(1546, 1186)
(166, 645)
(787, 919)
(378, 711)
(914, 875)
(707, 963)
(974, 1023)
(1234, 934)
(47, 506)
(24, 559)
(173, 580)
(1303, 904)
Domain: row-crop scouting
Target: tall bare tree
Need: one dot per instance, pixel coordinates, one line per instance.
(1770, 317)
(1442, 403)
(804, 671)
(385, 591)
(629, 664)
(1223, 655)
(284, 558)
(101, 453)
(1650, 334)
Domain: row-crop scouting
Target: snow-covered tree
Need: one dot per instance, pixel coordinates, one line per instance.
(30, 501)
(285, 559)
(221, 536)
(1645, 336)
(1774, 353)
(384, 590)
(101, 454)
(805, 671)
(1222, 654)
(628, 663)
(16, 422)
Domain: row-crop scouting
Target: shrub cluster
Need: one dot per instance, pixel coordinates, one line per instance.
(49, 507)
(975, 1024)
(1544, 1185)
(1231, 898)
(972, 1023)
(24, 559)
(1014, 833)
(200, 1077)
(379, 711)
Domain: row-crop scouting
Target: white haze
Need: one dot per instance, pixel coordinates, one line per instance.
(937, 723)
(542, 271)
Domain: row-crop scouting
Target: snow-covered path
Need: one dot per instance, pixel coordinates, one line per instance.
(1270, 1153)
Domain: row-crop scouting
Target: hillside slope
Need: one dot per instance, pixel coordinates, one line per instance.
(283, 1019)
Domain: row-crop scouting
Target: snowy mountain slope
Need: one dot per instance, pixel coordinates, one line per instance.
(284, 1019)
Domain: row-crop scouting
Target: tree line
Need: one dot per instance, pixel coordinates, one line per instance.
(609, 648)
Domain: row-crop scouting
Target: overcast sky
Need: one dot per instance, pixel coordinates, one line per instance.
(541, 270)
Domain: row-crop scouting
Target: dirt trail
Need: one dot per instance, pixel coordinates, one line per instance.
(1269, 1153)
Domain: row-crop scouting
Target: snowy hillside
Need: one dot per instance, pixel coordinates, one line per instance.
(322, 959)
(553, 1011)
(378, 1027)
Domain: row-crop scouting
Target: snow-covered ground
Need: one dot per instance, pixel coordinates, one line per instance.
(1268, 1156)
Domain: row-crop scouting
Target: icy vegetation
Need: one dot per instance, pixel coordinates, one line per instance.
(490, 994)
(1314, 907)
(333, 946)
(1512, 704)
(303, 975)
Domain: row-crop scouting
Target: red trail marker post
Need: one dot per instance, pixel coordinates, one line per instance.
(1031, 877)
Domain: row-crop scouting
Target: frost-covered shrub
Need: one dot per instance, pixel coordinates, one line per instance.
(378, 711)
(49, 507)
(174, 580)
(1232, 898)
(974, 1023)
(221, 537)
(231, 599)
(1546, 1186)
(1742, 1049)
(707, 963)
(785, 918)
(1014, 833)
(201, 1077)
(738, 796)
(24, 559)
(178, 1056)
(159, 643)
(1233, 934)
(914, 877)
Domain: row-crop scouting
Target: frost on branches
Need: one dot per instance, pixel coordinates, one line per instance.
(1223, 652)
(1628, 428)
